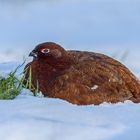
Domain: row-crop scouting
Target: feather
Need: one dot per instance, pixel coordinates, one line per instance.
(81, 77)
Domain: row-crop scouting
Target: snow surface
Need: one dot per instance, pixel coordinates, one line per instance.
(37, 118)
(34, 118)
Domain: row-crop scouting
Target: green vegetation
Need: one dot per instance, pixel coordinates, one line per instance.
(11, 86)
(29, 84)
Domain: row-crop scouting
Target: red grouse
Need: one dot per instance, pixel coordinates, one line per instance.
(80, 77)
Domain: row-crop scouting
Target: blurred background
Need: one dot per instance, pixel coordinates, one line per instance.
(106, 26)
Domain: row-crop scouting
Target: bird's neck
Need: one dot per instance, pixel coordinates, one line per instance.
(58, 64)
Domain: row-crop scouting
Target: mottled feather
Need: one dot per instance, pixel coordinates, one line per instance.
(73, 76)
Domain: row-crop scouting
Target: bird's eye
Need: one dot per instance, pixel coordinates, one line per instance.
(45, 50)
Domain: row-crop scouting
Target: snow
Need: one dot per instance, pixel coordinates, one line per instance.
(94, 87)
(29, 117)
(38, 118)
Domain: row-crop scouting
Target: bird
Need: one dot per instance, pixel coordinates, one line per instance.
(80, 77)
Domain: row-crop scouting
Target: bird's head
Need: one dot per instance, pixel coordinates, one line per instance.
(48, 51)
(52, 54)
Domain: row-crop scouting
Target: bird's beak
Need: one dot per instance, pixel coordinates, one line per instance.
(33, 54)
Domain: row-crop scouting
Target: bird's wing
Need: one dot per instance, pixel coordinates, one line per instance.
(92, 56)
(101, 68)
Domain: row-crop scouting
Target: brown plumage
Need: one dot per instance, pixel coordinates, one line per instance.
(81, 77)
